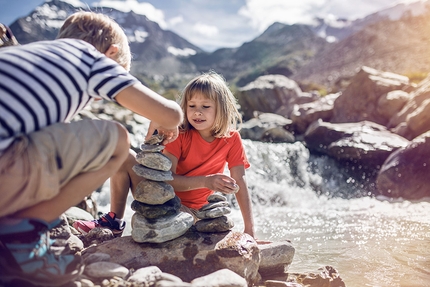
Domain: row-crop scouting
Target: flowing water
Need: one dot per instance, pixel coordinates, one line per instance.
(331, 218)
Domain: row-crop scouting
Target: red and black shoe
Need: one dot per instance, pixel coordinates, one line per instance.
(107, 220)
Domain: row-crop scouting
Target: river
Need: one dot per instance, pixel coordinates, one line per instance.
(331, 219)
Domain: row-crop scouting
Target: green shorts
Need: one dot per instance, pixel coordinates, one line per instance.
(35, 166)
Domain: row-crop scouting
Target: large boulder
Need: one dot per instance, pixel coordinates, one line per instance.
(360, 100)
(365, 142)
(414, 118)
(190, 256)
(406, 172)
(268, 94)
(267, 127)
(305, 114)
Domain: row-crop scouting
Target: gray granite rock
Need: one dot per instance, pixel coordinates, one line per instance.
(219, 224)
(161, 229)
(155, 139)
(105, 270)
(146, 276)
(213, 213)
(154, 160)
(212, 205)
(190, 256)
(151, 174)
(151, 211)
(153, 192)
(215, 197)
(276, 257)
(220, 278)
(96, 257)
(151, 148)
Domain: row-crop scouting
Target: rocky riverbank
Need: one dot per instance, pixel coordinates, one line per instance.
(194, 259)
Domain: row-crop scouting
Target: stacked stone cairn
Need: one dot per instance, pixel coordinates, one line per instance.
(157, 217)
(213, 215)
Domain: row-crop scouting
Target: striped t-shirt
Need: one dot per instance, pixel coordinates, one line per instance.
(47, 82)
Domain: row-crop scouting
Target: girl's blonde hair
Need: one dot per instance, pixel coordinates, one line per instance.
(100, 31)
(214, 87)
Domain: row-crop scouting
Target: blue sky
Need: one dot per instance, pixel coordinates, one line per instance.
(212, 24)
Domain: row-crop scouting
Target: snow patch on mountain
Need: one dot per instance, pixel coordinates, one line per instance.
(181, 52)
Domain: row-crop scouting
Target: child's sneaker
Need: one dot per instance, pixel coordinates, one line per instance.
(26, 256)
(107, 220)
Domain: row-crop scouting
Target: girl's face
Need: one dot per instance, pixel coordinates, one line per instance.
(201, 113)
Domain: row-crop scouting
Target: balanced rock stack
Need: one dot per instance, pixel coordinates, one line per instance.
(213, 215)
(157, 217)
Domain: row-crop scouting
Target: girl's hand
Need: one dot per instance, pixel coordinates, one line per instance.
(169, 134)
(222, 183)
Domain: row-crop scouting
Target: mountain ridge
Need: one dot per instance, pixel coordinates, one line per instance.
(321, 54)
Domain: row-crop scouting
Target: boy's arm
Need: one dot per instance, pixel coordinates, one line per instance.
(145, 102)
(243, 198)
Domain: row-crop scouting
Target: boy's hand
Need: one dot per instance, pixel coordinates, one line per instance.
(169, 134)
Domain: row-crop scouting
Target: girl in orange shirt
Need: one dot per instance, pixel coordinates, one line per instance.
(207, 142)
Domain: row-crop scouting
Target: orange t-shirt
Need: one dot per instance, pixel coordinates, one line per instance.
(197, 157)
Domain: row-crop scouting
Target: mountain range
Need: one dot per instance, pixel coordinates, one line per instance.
(323, 54)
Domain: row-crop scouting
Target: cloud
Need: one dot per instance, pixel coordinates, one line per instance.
(206, 30)
(143, 8)
(176, 20)
(261, 14)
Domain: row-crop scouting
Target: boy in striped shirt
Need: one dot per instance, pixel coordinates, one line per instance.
(48, 164)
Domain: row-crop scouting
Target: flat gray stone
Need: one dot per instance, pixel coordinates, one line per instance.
(153, 192)
(213, 213)
(223, 277)
(151, 174)
(105, 270)
(160, 230)
(151, 148)
(213, 205)
(219, 224)
(154, 160)
(146, 276)
(155, 139)
(215, 197)
(151, 211)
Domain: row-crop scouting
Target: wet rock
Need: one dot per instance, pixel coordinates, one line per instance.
(405, 174)
(154, 160)
(276, 257)
(364, 142)
(160, 230)
(153, 192)
(326, 276)
(152, 174)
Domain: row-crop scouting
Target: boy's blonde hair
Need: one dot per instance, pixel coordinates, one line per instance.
(100, 31)
(214, 87)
